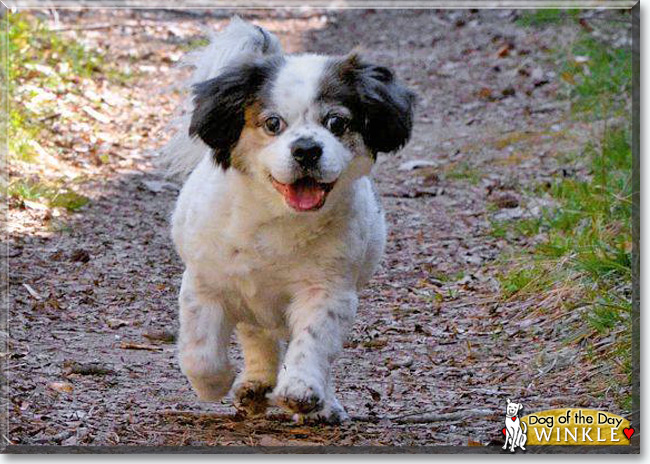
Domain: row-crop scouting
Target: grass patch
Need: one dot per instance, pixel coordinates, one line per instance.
(50, 195)
(583, 259)
(599, 77)
(41, 64)
(580, 256)
(538, 18)
(524, 279)
(589, 230)
(194, 44)
(45, 72)
(463, 171)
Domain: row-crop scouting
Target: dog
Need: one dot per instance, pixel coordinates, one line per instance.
(278, 224)
(514, 431)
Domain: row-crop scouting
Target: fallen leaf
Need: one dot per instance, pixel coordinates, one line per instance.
(32, 292)
(485, 94)
(91, 368)
(377, 343)
(80, 255)
(114, 323)
(61, 387)
(96, 115)
(35, 206)
(506, 200)
(165, 336)
(504, 51)
(374, 394)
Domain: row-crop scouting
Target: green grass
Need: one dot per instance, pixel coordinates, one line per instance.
(597, 74)
(584, 255)
(580, 258)
(598, 85)
(50, 195)
(590, 227)
(44, 67)
(464, 171)
(547, 16)
(194, 43)
(31, 42)
(524, 279)
(45, 60)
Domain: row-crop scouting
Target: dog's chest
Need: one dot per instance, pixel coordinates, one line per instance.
(257, 274)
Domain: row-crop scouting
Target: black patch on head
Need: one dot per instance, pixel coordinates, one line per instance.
(220, 104)
(382, 108)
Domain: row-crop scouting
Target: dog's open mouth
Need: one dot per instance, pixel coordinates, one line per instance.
(305, 194)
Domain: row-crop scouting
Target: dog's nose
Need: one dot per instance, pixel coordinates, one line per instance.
(306, 151)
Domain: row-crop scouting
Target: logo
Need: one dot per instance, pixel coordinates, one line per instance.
(515, 430)
(564, 426)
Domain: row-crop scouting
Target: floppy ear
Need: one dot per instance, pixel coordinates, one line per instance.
(386, 105)
(220, 105)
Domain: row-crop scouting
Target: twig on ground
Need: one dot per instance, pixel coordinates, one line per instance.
(138, 346)
(411, 418)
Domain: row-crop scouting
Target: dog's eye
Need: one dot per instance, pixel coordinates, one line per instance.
(274, 125)
(337, 125)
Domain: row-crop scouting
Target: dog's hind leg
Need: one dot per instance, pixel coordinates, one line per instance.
(261, 355)
(523, 437)
(203, 344)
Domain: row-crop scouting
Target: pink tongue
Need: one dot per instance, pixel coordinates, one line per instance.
(304, 196)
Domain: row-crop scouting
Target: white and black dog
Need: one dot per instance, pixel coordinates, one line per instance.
(278, 224)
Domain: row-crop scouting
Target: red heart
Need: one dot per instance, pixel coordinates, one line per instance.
(514, 418)
(628, 432)
(503, 430)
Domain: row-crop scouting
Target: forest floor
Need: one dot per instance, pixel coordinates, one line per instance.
(442, 337)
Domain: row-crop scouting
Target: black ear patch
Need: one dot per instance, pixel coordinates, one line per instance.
(220, 105)
(383, 107)
(388, 108)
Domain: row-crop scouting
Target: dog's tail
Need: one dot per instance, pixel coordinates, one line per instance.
(240, 41)
(525, 427)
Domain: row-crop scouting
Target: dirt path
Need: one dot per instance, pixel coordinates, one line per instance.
(433, 334)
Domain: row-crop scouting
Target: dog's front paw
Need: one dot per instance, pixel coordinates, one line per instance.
(251, 397)
(297, 396)
(332, 413)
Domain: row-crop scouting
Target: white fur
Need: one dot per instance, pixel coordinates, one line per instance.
(514, 432)
(274, 275)
(296, 86)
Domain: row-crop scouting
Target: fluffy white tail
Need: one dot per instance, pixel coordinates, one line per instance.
(240, 41)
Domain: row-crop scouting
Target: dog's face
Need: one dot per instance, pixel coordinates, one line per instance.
(512, 409)
(302, 126)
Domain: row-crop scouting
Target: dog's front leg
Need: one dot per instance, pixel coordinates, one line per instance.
(203, 343)
(318, 320)
(505, 445)
(514, 439)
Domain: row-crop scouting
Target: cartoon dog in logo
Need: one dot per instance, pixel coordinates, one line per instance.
(513, 430)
